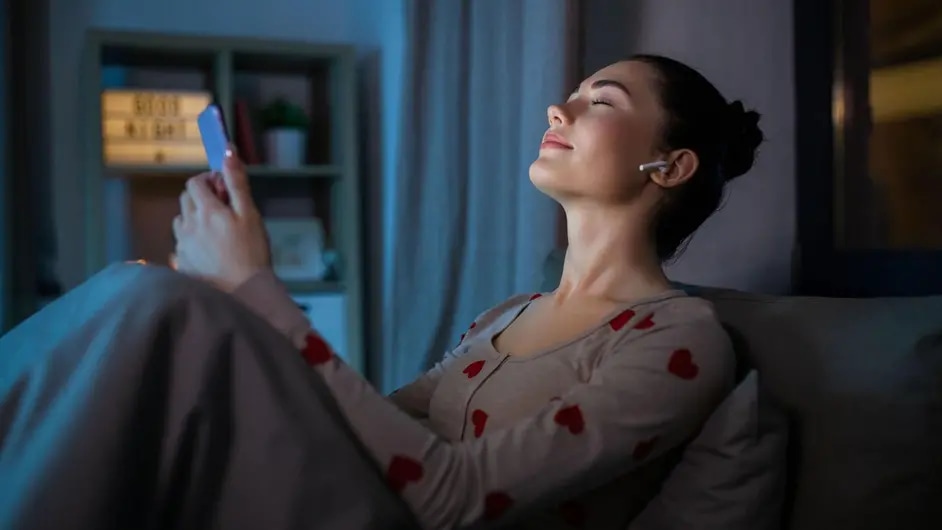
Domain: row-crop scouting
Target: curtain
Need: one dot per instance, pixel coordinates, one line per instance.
(463, 226)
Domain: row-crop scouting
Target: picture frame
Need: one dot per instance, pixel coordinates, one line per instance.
(297, 248)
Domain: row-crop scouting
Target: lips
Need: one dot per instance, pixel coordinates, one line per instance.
(553, 140)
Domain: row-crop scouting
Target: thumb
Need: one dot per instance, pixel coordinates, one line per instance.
(237, 182)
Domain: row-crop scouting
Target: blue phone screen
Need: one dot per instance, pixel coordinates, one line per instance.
(213, 133)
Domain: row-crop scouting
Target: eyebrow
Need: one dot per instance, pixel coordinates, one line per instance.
(604, 83)
(611, 82)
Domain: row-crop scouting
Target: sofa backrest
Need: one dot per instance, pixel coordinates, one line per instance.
(861, 380)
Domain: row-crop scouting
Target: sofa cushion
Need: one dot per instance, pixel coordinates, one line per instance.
(862, 381)
(732, 475)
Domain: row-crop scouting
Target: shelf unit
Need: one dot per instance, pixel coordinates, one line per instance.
(230, 68)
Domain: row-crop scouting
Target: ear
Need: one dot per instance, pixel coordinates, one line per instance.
(683, 164)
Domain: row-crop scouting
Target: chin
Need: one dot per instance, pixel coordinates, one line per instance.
(552, 180)
(565, 185)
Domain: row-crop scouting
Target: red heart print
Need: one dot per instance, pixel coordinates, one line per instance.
(478, 419)
(473, 369)
(573, 513)
(646, 322)
(315, 351)
(401, 471)
(571, 418)
(496, 504)
(534, 297)
(460, 340)
(681, 364)
(619, 322)
(643, 449)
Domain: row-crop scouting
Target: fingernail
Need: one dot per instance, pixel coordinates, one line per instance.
(229, 153)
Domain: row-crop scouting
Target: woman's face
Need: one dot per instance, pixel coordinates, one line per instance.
(597, 138)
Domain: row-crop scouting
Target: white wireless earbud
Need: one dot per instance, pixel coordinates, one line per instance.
(651, 166)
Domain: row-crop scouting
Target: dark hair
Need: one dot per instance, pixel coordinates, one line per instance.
(722, 134)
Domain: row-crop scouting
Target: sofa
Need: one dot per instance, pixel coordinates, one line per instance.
(860, 381)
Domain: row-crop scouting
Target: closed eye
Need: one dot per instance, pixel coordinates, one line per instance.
(601, 102)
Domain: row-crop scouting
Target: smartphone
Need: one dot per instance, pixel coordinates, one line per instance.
(212, 128)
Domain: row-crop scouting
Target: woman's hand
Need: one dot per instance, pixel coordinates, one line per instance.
(225, 245)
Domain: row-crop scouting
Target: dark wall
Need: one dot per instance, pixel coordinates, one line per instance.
(6, 222)
(32, 246)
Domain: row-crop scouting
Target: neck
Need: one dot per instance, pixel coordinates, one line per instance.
(610, 256)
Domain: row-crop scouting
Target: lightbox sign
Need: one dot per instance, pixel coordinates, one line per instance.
(152, 127)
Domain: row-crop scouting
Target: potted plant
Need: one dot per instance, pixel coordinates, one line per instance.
(285, 125)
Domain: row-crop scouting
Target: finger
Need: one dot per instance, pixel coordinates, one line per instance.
(179, 263)
(207, 176)
(187, 206)
(219, 188)
(237, 183)
(177, 228)
(203, 196)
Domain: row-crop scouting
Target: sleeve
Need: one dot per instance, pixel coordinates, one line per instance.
(266, 295)
(414, 398)
(651, 393)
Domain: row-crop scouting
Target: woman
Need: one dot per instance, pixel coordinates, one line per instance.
(555, 410)
(584, 391)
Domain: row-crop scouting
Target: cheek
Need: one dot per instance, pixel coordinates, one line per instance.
(611, 148)
(614, 147)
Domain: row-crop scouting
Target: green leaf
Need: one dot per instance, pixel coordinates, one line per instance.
(282, 114)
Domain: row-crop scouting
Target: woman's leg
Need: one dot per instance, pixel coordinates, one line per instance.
(143, 399)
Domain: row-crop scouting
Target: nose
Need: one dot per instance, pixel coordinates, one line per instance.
(558, 115)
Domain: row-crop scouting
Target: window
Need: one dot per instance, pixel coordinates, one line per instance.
(888, 125)
(869, 122)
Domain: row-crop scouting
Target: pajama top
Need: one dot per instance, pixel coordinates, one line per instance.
(577, 435)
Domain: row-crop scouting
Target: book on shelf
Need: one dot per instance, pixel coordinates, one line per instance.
(245, 134)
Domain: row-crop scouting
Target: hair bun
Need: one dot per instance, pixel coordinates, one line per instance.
(743, 137)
